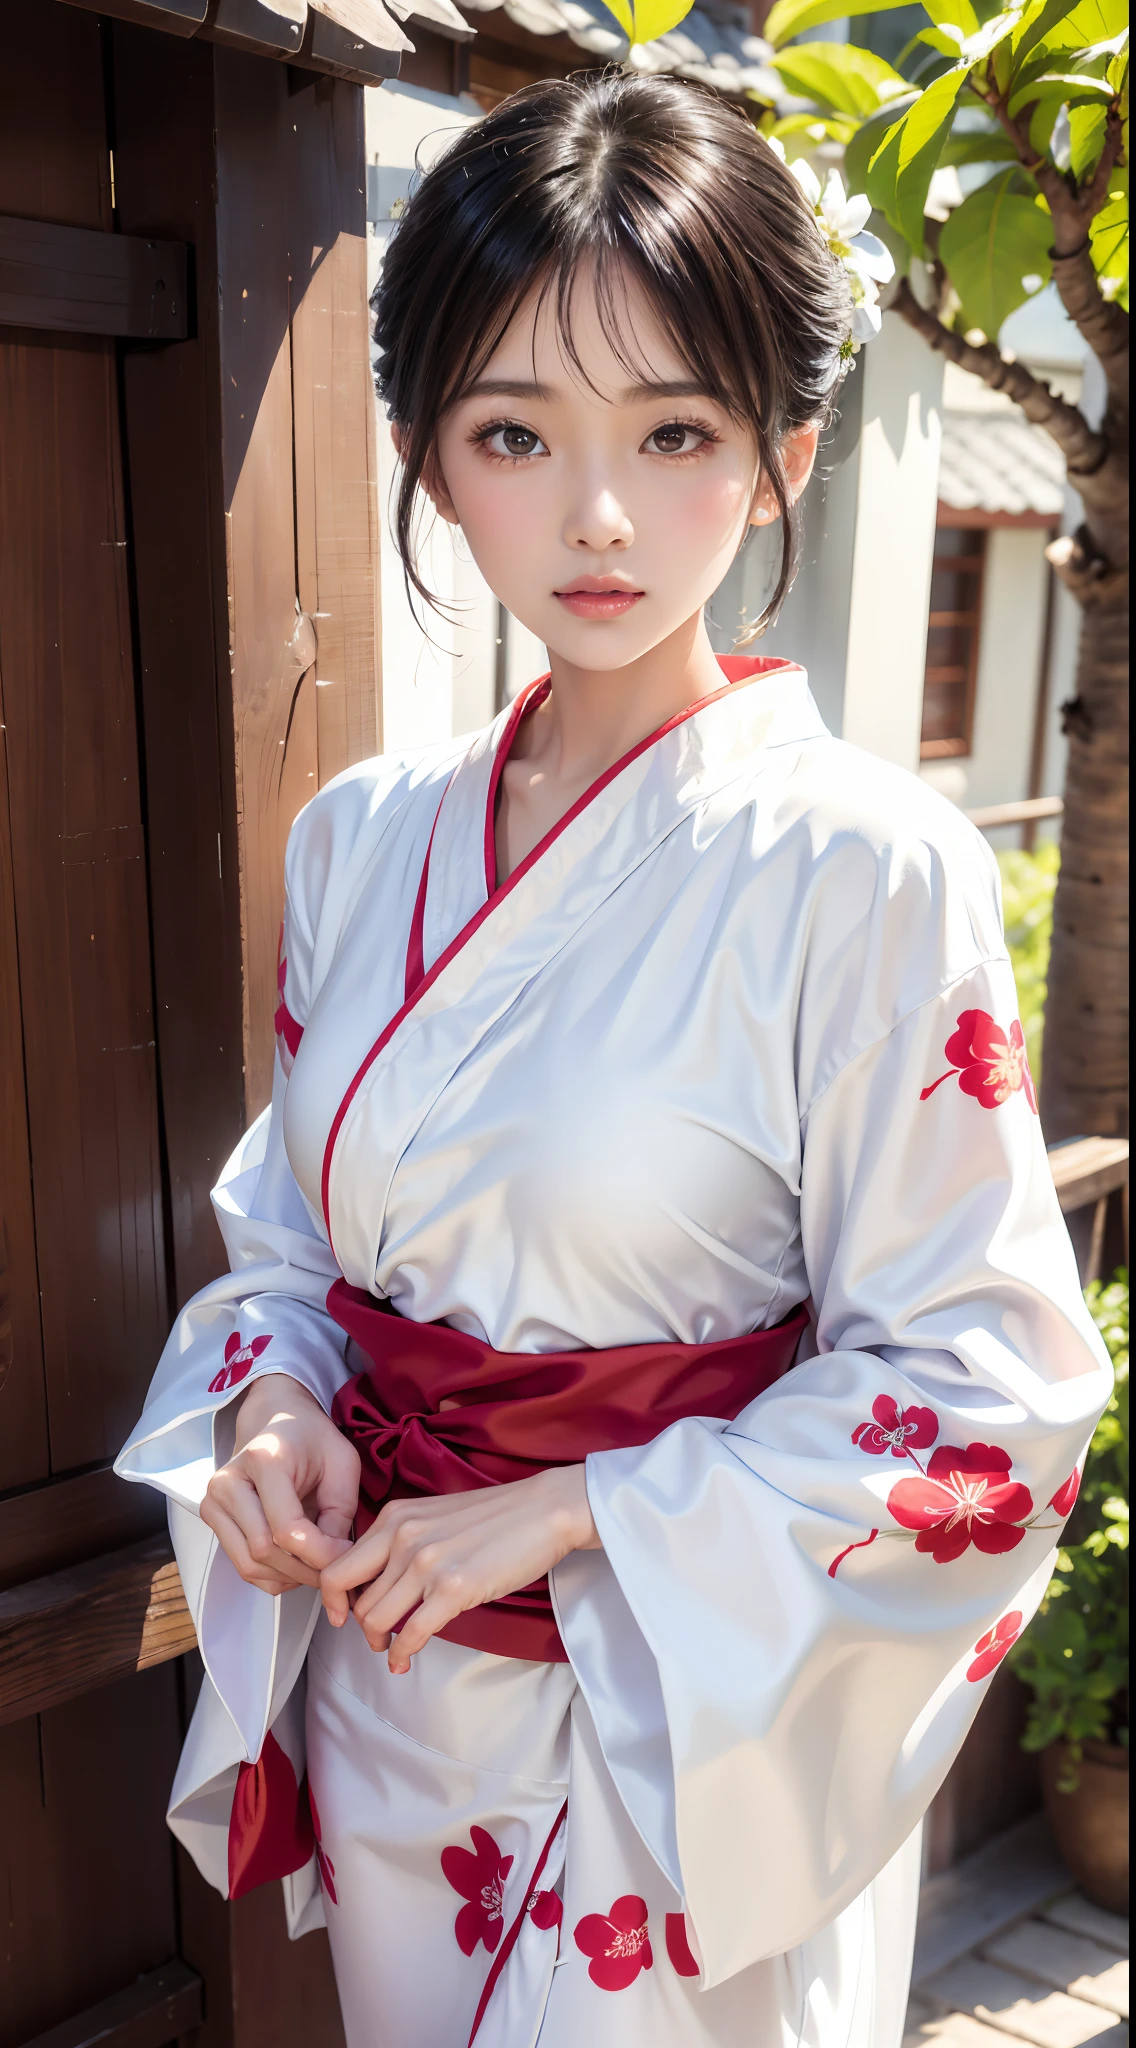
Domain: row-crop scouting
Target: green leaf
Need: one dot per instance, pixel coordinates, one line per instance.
(867, 139)
(987, 147)
(1070, 86)
(841, 76)
(958, 14)
(992, 242)
(1056, 29)
(817, 127)
(788, 18)
(644, 20)
(900, 172)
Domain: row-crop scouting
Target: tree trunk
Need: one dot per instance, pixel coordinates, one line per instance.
(1085, 1068)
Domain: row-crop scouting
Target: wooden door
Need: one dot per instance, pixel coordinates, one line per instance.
(82, 1786)
(187, 545)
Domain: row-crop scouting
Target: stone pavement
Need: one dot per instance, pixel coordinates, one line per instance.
(1008, 1950)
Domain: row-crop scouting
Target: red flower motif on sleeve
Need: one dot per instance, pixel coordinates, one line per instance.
(683, 1960)
(911, 1429)
(991, 1064)
(480, 1878)
(967, 1496)
(1065, 1496)
(992, 1647)
(324, 1863)
(545, 1909)
(239, 1361)
(617, 1943)
(283, 1023)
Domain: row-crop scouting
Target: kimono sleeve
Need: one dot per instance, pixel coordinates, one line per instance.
(267, 1314)
(797, 1614)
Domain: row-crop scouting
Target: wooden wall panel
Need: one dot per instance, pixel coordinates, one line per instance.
(50, 170)
(164, 172)
(23, 1396)
(337, 522)
(80, 889)
(270, 645)
(86, 1864)
(301, 513)
(77, 849)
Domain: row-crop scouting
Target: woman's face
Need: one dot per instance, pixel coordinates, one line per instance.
(602, 508)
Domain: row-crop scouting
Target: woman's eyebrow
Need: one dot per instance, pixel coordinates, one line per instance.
(677, 387)
(643, 393)
(508, 387)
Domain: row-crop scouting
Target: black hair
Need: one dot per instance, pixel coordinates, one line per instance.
(654, 175)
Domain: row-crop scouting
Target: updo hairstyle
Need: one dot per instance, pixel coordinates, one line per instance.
(652, 174)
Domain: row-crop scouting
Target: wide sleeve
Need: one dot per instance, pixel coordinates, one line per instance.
(267, 1314)
(795, 1615)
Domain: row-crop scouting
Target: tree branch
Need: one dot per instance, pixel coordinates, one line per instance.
(1103, 324)
(1084, 450)
(1072, 209)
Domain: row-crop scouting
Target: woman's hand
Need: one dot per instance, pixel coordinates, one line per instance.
(444, 1554)
(283, 1506)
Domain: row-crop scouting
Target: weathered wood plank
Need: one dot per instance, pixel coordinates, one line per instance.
(156, 2010)
(1087, 1169)
(337, 523)
(80, 281)
(46, 1528)
(63, 1634)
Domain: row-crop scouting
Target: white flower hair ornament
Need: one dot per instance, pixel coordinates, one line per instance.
(841, 218)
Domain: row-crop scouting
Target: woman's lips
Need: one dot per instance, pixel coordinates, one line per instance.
(598, 604)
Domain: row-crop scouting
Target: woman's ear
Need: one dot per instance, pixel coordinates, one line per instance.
(433, 482)
(798, 453)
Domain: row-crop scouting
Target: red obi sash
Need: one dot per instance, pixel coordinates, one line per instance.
(440, 1412)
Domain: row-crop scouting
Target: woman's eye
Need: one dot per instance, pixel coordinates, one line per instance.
(675, 439)
(513, 441)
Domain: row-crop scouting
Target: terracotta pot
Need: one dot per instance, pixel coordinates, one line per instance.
(1091, 1824)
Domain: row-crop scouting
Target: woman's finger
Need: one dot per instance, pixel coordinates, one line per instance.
(364, 1561)
(237, 1497)
(231, 1537)
(291, 1530)
(439, 1608)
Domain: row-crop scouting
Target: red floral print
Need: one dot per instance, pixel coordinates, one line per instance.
(965, 1497)
(480, 1878)
(1065, 1496)
(283, 1023)
(239, 1361)
(324, 1864)
(617, 1943)
(545, 1909)
(678, 1946)
(895, 1430)
(992, 1647)
(991, 1064)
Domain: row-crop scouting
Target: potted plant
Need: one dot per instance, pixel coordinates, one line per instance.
(1074, 1655)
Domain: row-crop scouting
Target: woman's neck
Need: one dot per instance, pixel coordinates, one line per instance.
(592, 717)
(588, 721)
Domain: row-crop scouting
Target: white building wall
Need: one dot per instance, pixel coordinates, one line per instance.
(439, 671)
(856, 617)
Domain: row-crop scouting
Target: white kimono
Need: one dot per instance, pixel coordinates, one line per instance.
(740, 1033)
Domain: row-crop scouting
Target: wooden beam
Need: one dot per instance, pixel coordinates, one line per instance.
(1024, 812)
(63, 1634)
(68, 1521)
(161, 2007)
(80, 281)
(1086, 1169)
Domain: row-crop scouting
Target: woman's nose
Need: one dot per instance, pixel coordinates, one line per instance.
(598, 521)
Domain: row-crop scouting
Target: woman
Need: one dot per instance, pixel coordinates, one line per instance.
(649, 1256)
